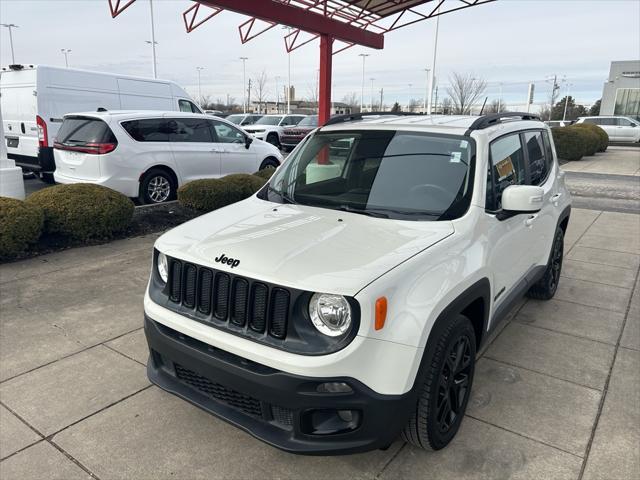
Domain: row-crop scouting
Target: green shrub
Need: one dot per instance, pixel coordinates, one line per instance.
(569, 143)
(590, 140)
(602, 135)
(20, 225)
(82, 211)
(213, 193)
(265, 173)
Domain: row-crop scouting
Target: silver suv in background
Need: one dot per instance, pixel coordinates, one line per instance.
(619, 128)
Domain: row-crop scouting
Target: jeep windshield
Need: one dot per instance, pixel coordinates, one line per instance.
(388, 174)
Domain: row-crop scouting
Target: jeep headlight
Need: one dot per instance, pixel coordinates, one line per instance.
(330, 314)
(163, 267)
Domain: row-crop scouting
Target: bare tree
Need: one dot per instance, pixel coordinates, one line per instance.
(352, 100)
(446, 106)
(313, 93)
(260, 89)
(465, 90)
(544, 111)
(495, 106)
(414, 105)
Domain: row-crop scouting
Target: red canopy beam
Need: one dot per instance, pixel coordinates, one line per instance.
(281, 13)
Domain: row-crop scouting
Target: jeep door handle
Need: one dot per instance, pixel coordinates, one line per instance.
(529, 221)
(556, 199)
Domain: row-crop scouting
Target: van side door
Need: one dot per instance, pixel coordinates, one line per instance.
(194, 148)
(235, 156)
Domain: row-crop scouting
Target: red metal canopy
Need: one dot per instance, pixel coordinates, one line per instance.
(351, 22)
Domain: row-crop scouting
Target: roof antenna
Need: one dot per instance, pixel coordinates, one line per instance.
(485, 102)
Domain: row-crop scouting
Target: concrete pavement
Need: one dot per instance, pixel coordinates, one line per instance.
(556, 393)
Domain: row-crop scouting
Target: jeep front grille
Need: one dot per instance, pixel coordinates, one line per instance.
(227, 299)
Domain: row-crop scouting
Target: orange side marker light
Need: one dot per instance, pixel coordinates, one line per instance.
(381, 312)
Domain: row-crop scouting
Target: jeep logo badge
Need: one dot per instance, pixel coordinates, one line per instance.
(229, 261)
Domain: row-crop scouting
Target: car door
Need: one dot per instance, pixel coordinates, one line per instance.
(194, 148)
(540, 164)
(235, 157)
(626, 130)
(510, 239)
(609, 126)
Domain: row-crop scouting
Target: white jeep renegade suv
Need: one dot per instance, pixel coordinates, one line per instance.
(344, 303)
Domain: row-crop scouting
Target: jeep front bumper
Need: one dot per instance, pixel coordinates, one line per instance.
(282, 409)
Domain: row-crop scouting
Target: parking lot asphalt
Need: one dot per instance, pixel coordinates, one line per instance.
(556, 393)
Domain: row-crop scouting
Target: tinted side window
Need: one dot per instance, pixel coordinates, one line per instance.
(591, 120)
(190, 130)
(606, 121)
(548, 150)
(507, 167)
(623, 122)
(538, 167)
(148, 130)
(226, 133)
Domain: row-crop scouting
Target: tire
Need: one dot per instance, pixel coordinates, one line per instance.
(269, 163)
(434, 422)
(545, 288)
(48, 178)
(157, 186)
(273, 139)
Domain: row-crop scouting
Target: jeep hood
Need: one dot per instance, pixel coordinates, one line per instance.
(302, 247)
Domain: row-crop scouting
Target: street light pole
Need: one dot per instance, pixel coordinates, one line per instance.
(10, 26)
(199, 69)
(277, 94)
(66, 52)
(427, 90)
(244, 83)
(566, 102)
(500, 99)
(364, 56)
(288, 29)
(409, 98)
(371, 100)
(153, 40)
(433, 65)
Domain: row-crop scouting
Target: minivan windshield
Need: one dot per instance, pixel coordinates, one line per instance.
(388, 174)
(269, 121)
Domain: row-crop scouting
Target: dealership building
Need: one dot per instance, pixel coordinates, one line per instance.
(621, 93)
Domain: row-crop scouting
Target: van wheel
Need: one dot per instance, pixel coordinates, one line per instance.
(157, 186)
(444, 392)
(269, 163)
(273, 139)
(48, 178)
(545, 288)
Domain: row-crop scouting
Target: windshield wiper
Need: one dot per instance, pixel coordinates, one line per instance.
(370, 213)
(283, 195)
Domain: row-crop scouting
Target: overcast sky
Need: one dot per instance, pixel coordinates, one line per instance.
(509, 41)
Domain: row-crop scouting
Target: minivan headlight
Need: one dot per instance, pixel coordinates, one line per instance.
(330, 314)
(163, 267)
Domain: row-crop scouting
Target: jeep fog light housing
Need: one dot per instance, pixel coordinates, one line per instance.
(330, 314)
(163, 267)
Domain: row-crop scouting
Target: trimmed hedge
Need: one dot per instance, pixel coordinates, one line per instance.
(213, 193)
(83, 211)
(603, 138)
(20, 225)
(569, 143)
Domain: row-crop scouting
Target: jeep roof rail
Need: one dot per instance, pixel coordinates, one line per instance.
(486, 121)
(351, 117)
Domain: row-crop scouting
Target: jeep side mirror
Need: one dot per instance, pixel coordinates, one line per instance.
(247, 141)
(522, 199)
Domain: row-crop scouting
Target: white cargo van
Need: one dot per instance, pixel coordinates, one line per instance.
(34, 98)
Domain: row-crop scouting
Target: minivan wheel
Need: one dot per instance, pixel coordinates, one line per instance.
(445, 386)
(545, 288)
(157, 186)
(272, 138)
(269, 163)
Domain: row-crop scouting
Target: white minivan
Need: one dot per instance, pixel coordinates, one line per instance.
(34, 98)
(150, 154)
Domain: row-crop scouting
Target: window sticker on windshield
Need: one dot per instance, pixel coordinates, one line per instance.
(455, 157)
(464, 144)
(505, 168)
